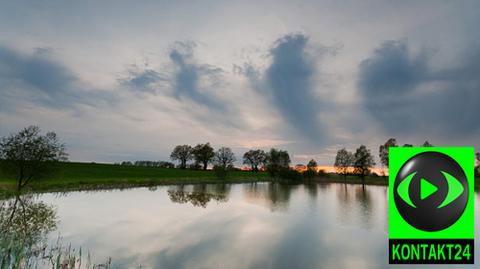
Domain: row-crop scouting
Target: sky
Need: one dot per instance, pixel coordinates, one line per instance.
(129, 80)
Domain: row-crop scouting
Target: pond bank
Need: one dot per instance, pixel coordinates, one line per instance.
(91, 176)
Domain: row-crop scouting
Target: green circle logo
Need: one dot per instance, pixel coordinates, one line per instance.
(431, 191)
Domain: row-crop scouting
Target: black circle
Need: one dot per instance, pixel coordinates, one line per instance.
(426, 215)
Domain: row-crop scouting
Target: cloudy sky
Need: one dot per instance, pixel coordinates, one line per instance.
(128, 80)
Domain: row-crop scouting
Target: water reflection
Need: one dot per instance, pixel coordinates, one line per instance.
(276, 196)
(200, 195)
(255, 225)
(24, 226)
(364, 201)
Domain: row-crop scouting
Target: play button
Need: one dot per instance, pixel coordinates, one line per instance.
(426, 189)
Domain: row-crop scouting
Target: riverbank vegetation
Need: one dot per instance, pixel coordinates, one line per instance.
(29, 160)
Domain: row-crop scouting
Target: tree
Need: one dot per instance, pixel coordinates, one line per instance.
(276, 161)
(363, 161)
(254, 158)
(407, 145)
(343, 161)
(224, 157)
(383, 150)
(182, 153)
(28, 155)
(312, 165)
(203, 153)
(477, 168)
(311, 169)
(427, 144)
(223, 161)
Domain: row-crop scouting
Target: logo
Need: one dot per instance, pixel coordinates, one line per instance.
(431, 205)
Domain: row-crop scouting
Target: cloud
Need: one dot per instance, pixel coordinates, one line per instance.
(405, 94)
(287, 81)
(43, 81)
(145, 81)
(193, 81)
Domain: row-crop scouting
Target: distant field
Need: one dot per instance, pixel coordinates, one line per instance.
(91, 176)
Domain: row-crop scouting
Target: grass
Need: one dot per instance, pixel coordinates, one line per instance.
(92, 176)
(86, 176)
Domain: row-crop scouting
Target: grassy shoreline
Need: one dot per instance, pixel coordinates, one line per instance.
(91, 176)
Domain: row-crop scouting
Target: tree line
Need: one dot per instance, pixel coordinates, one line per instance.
(29, 155)
(159, 164)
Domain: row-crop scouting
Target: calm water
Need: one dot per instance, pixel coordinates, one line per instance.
(258, 225)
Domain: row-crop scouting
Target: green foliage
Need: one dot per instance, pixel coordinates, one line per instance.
(28, 155)
(73, 176)
(182, 153)
(289, 174)
(363, 161)
(312, 165)
(309, 174)
(254, 158)
(383, 150)
(223, 162)
(343, 160)
(311, 171)
(203, 154)
(277, 162)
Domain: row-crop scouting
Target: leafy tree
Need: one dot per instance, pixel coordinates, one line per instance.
(407, 145)
(477, 168)
(311, 169)
(312, 165)
(383, 150)
(276, 161)
(223, 161)
(203, 154)
(28, 155)
(427, 144)
(363, 162)
(254, 158)
(182, 153)
(343, 161)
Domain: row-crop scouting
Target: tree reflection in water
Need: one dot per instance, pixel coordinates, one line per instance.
(200, 195)
(24, 226)
(275, 195)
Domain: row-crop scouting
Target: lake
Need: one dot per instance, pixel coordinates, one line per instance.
(257, 225)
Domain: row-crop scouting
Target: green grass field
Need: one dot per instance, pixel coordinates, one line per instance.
(91, 176)
(84, 176)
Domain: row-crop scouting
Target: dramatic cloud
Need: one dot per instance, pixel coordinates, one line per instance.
(288, 82)
(188, 76)
(405, 94)
(43, 81)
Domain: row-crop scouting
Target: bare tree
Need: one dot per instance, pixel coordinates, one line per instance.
(182, 153)
(343, 161)
(223, 161)
(427, 144)
(254, 158)
(28, 155)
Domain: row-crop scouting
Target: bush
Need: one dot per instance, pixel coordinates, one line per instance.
(220, 171)
(309, 174)
(194, 166)
(289, 174)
